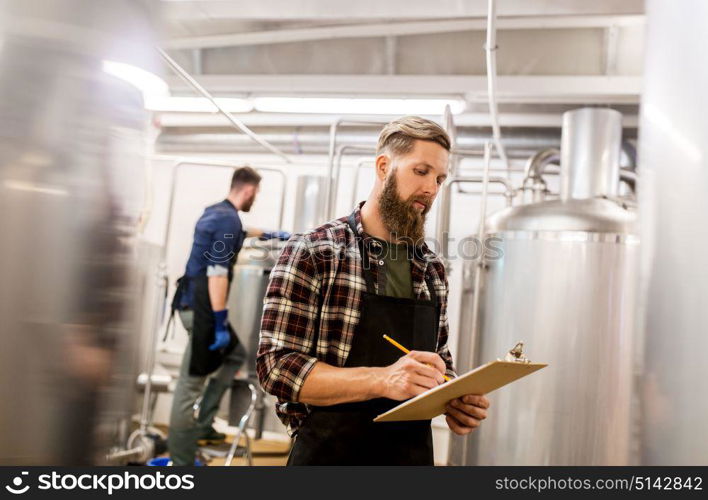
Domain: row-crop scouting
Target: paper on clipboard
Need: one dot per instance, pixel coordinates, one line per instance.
(482, 380)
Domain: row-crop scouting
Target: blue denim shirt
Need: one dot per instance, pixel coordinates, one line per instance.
(218, 237)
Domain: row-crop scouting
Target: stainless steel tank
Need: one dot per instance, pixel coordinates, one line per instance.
(561, 277)
(673, 193)
(251, 274)
(72, 139)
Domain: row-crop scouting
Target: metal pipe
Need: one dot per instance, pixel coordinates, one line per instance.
(467, 152)
(630, 152)
(508, 187)
(212, 163)
(480, 235)
(490, 48)
(451, 129)
(535, 169)
(162, 284)
(332, 150)
(338, 171)
(508, 204)
(333, 175)
(234, 121)
(472, 153)
(355, 182)
(517, 170)
(243, 422)
(284, 185)
(474, 334)
(125, 455)
(537, 164)
(518, 145)
(629, 177)
(442, 227)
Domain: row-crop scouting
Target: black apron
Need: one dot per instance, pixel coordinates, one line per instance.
(202, 361)
(345, 434)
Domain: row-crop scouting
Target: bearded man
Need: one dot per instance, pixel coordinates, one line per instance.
(337, 289)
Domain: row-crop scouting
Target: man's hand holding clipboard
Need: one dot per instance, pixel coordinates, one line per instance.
(465, 393)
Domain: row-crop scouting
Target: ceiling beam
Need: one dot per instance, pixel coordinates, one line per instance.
(546, 89)
(254, 119)
(397, 29)
(284, 10)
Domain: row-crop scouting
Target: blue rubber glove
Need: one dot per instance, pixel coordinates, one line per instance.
(221, 330)
(281, 235)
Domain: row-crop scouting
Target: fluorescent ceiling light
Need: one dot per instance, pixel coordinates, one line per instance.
(156, 92)
(196, 104)
(357, 106)
(148, 83)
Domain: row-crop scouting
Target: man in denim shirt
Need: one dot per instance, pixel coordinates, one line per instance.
(213, 350)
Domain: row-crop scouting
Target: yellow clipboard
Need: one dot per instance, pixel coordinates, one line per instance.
(482, 380)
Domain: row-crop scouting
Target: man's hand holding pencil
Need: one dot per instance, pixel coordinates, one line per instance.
(418, 371)
(411, 375)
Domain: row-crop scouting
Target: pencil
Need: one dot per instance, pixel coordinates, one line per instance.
(447, 379)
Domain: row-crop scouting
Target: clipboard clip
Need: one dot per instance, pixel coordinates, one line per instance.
(516, 354)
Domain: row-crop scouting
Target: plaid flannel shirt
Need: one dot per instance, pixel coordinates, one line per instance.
(312, 307)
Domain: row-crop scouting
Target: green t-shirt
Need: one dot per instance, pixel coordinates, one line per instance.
(397, 277)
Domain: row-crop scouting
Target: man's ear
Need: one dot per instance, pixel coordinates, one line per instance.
(383, 163)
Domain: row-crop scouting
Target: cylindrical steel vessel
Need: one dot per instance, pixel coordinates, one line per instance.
(673, 152)
(72, 165)
(561, 276)
(251, 273)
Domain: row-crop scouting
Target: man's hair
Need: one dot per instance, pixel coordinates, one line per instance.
(399, 136)
(243, 176)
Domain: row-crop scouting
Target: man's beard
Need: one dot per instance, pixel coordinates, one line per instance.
(400, 217)
(247, 204)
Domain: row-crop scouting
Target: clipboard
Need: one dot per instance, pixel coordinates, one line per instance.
(482, 380)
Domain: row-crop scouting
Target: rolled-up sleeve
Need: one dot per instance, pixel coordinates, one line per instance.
(289, 323)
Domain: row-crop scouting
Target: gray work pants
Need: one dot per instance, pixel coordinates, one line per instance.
(186, 427)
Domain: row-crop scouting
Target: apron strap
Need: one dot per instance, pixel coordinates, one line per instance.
(365, 266)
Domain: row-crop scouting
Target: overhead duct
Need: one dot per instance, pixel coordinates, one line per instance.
(316, 141)
(520, 142)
